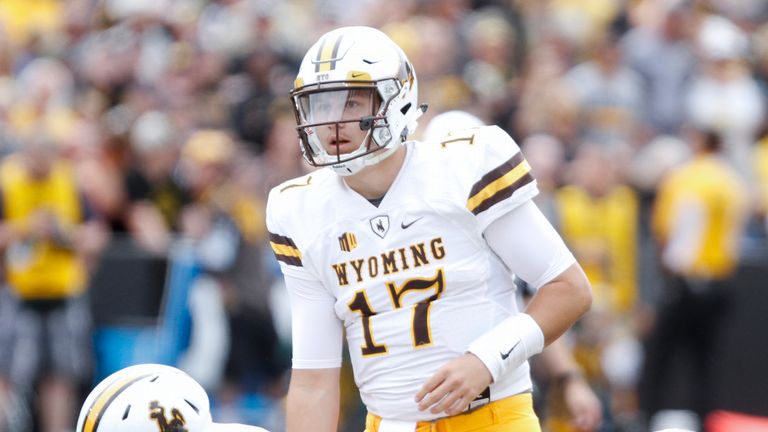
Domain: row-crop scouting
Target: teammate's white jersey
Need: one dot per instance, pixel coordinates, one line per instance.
(413, 280)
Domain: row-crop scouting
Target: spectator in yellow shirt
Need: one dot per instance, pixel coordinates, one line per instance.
(698, 222)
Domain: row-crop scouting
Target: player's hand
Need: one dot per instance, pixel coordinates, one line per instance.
(583, 405)
(454, 386)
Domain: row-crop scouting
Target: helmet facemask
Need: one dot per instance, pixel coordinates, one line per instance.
(330, 116)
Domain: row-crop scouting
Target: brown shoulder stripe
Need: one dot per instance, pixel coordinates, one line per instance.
(499, 183)
(495, 173)
(281, 240)
(285, 249)
(503, 194)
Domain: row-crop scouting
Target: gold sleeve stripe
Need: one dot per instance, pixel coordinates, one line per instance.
(285, 249)
(326, 55)
(496, 173)
(499, 184)
(100, 405)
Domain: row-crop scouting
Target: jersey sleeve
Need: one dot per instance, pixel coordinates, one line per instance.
(529, 246)
(281, 238)
(501, 179)
(317, 333)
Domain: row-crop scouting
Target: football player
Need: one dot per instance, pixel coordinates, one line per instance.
(582, 404)
(150, 397)
(407, 248)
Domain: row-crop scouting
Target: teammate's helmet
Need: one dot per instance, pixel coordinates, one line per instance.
(355, 61)
(450, 121)
(146, 397)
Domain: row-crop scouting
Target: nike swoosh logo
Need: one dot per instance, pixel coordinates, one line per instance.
(504, 356)
(355, 75)
(404, 225)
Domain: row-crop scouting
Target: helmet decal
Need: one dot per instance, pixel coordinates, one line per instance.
(327, 54)
(176, 424)
(100, 405)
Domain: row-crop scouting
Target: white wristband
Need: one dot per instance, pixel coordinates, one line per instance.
(509, 344)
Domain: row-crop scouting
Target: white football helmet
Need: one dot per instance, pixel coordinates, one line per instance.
(353, 62)
(147, 397)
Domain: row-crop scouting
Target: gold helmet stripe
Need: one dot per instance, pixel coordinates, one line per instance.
(100, 405)
(326, 55)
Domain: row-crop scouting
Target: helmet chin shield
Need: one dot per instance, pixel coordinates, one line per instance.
(355, 104)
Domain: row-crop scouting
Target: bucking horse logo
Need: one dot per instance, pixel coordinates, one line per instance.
(176, 424)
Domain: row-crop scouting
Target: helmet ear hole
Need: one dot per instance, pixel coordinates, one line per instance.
(405, 108)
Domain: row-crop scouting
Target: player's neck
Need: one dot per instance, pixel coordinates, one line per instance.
(374, 181)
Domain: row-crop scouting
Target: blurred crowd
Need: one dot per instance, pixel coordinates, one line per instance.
(162, 124)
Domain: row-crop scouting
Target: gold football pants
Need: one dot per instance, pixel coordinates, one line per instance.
(512, 414)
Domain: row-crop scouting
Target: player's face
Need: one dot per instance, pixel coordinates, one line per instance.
(338, 114)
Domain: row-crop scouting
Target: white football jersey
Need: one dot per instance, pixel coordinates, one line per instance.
(413, 279)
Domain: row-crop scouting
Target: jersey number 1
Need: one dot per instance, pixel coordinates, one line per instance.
(420, 323)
